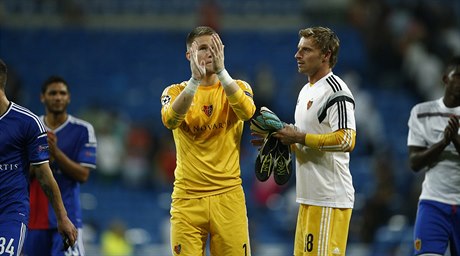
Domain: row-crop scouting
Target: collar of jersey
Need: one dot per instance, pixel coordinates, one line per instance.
(209, 87)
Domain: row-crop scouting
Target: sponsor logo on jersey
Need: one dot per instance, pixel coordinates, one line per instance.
(9, 167)
(207, 127)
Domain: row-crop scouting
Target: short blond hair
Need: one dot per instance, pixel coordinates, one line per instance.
(325, 39)
(197, 32)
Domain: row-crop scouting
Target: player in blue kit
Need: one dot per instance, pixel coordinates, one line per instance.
(434, 148)
(23, 147)
(72, 144)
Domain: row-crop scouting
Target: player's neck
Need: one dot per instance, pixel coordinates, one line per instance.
(318, 75)
(4, 103)
(209, 80)
(53, 120)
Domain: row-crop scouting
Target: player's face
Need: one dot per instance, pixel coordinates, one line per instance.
(309, 57)
(452, 81)
(56, 98)
(204, 51)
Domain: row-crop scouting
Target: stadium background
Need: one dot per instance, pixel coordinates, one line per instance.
(119, 55)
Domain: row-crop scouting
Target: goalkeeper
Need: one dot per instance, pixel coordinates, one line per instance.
(206, 115)
(323, 135)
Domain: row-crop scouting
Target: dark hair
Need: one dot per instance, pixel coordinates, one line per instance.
(451, 64)
(325, 39)
(3, 74)
(197, 32)
(52, 80)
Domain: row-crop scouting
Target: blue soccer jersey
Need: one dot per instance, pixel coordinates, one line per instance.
(77, 140)
(22, 142)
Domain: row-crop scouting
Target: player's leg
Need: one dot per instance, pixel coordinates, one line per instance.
(12, 235)
(229, 225)
(38, 242)
(455, 237)
(321, 231)
(431, 230)
(58, 245)
(189, 226)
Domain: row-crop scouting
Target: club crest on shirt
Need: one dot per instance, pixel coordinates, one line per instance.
(310, 102)
(418, 244)
(207, 110)
(177, 249)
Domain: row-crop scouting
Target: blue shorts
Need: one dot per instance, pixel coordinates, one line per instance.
(46, 242)
(12, 235)
(436, 225)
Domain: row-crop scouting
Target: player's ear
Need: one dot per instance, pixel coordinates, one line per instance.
(42, 98)
(445, 79)
(327, 56)
(187, 54)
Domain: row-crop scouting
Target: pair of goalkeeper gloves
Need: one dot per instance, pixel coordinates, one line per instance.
(273, 157)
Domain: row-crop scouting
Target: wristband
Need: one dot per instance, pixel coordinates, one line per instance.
(191, 86)
(224, 77)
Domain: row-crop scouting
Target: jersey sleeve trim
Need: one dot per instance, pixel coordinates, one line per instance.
(342, 140)
(339, 98)
(39, 163)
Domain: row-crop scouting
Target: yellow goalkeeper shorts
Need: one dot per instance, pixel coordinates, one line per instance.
(223, 217)
(321, 231)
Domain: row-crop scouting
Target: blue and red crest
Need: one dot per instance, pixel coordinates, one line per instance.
(207, 110)
(177, 248)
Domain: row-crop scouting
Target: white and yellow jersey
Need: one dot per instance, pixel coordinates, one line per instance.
(207, 138)
(323, 175)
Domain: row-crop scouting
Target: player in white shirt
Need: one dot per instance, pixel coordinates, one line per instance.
(323, 135)
(434, 147)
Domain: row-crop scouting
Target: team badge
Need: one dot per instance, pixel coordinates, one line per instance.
(165, 100)
(207, 110)
(309, 104)
(177, 249)
(418, 244)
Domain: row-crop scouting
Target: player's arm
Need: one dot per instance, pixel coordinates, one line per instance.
(240, 100)
(184, 100)
(420, 157)
(49, 186)
(452, 132)
(174, 110)
(342, 140)
(170, 118)
(68, 166)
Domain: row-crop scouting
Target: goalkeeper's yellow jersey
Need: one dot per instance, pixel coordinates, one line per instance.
(207, 138)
